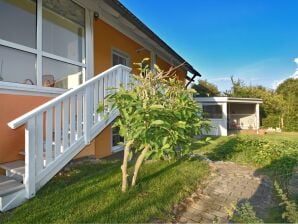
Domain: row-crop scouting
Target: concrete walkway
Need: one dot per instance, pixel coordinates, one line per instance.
(232, 184)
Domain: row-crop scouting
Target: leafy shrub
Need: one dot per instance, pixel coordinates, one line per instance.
(157, 117)
(290, 213)
(290, 122)
(279, 157)
(271, 121)
(245, 213)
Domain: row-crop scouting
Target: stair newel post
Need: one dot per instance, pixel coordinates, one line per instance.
(87, 114)
(30, 149)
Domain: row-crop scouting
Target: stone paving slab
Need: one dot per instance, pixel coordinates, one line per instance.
(232, 184)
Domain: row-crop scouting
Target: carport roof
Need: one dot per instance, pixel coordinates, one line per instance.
(225, 99)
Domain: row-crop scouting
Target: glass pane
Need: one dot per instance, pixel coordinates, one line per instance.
(118, 59)
(17, 66)
(116, 138)
(63, 30)
(18, 21)
(60, 75)
(212, 111)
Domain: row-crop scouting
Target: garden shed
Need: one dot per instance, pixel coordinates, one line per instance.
(230, 114)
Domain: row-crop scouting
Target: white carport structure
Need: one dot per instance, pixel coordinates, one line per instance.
(230, 113)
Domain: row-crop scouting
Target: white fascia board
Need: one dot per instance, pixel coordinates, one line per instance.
(228, 100)
(211, 99)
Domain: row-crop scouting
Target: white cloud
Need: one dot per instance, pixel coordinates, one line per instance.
(276, 83)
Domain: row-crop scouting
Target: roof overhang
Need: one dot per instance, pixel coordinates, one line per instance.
(124, 16)
(225, 99)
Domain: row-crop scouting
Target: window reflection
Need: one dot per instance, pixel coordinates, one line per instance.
(64, 29)
(60, 75)
(18, 22)
(17, 66)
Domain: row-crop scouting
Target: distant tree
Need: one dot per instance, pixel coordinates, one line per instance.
(273, 103)
(205, 88)
(289, 91)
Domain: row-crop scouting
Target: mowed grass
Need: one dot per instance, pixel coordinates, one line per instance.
(92, 193)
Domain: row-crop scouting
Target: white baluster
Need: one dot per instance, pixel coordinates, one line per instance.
(105, 91)
(39, 143)
(49, 136)
(30, 150)
(101, 95)
(79, 114)
(65, 124)
(95, 102)
(72, 115)
(87, 114)
(57, 130)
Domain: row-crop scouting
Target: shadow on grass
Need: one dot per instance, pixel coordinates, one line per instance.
(92, 193)
(264, 200)
(224, 151)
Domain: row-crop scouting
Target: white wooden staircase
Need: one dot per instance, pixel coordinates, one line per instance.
(56, 132)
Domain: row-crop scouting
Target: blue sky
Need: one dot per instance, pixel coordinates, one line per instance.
(255, 40)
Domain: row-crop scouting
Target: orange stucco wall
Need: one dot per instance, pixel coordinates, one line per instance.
(107, 38)
(12, 106)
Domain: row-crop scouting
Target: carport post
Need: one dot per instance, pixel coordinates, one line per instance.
(257, 117)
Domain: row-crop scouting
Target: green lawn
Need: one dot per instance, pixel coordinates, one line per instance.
(92, 193)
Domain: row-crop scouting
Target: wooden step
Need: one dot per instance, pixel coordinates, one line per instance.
(16, 167)
(9, 185)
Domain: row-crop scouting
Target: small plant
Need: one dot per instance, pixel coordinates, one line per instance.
(244, 213)
(158, 118)
(290, 213)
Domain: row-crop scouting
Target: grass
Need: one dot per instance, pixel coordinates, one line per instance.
(92, 193)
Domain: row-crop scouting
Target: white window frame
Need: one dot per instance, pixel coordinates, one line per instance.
(214, 104)
(122, 54)
(115, 148)
(86, 64)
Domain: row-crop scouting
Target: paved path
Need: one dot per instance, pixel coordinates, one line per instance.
(231, 185)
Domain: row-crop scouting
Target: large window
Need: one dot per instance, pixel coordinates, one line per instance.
(18, 22)
(57, 58)
(212, 111)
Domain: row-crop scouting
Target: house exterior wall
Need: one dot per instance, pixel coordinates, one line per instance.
(13, 106)
(106, 39)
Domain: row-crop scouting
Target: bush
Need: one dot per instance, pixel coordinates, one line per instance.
(245, 213)
(290, 213)
(271, 121)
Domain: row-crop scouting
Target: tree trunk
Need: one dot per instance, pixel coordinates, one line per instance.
(124, 165)
(281, 121)
(138, 165)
